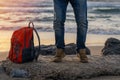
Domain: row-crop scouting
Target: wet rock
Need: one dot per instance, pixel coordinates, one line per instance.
(70, 49)
(1, 69)
(112, 47)
(19, 73)
(47, 50)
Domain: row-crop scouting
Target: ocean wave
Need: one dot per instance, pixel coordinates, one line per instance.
(47, 7)
(107, 10)
(90, 31)
(110, 31)
(103, 4)
(42, 13)
(8, 28)
(104, 7)
(25, 10)
(30, 3)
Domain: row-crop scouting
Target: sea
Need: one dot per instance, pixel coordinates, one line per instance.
(103, 19)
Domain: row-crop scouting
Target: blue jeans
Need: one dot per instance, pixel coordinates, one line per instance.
(80, 11)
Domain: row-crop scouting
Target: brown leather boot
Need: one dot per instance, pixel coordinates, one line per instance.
(82, 55)
(59, 55)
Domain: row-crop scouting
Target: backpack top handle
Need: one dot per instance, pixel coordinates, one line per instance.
(31, 23)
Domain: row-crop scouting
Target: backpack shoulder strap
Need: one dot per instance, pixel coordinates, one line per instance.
(29, 25)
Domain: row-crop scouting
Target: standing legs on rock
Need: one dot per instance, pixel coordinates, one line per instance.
(80, 11)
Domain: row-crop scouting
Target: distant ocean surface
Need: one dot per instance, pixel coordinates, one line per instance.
(103, 17)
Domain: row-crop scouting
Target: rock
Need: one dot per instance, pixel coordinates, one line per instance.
(112, 47)
(70, 68)
(47, 49)
(19, 73)
(1, 69)
(70, 49)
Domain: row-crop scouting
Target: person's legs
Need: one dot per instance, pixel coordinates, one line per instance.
(80, 10)
(60, 7)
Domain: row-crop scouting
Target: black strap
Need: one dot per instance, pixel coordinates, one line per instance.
(29, 25)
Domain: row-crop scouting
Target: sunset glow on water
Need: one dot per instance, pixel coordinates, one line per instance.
(103, 18)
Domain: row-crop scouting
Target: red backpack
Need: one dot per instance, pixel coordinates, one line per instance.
(22, 45)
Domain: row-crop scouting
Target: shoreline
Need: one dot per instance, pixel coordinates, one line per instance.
(47, 38)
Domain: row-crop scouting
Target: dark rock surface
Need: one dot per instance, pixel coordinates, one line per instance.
(1, 69)
(69, 69)
(70, 49)
(112, 47)
(18, 73)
